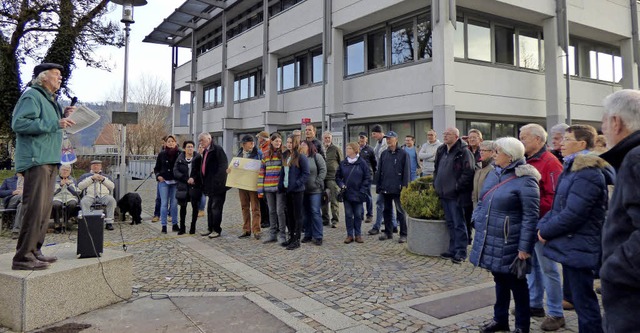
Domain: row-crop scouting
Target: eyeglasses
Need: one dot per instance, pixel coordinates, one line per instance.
(486, 150)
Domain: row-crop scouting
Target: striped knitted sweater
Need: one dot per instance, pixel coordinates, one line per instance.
(269, 174)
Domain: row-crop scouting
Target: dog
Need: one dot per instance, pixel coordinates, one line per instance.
(132, 203)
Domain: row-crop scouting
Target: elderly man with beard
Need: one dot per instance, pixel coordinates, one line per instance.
(38, 121)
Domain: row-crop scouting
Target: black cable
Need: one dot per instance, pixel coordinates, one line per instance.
(95, 251)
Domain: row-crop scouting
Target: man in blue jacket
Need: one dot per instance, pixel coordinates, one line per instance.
(12, 199)
(620, 272)
(393, 175)
(38, 121)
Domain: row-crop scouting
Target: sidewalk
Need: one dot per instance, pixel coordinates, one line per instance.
(195, 284)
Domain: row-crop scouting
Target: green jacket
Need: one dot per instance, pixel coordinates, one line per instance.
(36, 124)
(333, 157)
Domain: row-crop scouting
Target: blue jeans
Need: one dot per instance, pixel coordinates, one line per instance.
(544, 276)
(369, 203)
(203, 202)
(353, 217)
(312, 215)
(454, 216)
(506, 284)
(168, 197)
(380, 213)
(584, 298)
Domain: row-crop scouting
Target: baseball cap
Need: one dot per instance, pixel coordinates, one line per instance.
(247, 138)
(391, 134)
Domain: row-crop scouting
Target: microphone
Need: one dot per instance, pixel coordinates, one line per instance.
(74, 100)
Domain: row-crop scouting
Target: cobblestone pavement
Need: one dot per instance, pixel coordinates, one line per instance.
(366, 282)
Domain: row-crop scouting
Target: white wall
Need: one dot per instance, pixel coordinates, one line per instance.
(299, 23)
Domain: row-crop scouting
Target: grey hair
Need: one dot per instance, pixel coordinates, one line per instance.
(536, 130)
(204, 135)
(65, 166)
(558, 129)
(327, 133)
(626, 105)
(511, 146)
(38, 79)
(454, 130)
(487, 144)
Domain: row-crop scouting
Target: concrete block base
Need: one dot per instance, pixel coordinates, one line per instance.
(69, 287)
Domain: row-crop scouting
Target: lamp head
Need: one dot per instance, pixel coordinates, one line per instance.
(127, 9)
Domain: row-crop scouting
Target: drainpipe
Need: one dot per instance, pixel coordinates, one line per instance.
(563, 36)
(326, 33)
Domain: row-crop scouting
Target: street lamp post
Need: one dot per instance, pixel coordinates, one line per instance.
(127, 19)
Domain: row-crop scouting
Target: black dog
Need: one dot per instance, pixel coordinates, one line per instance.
(132, 203)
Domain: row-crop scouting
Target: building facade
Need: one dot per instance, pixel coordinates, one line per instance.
(409, 65)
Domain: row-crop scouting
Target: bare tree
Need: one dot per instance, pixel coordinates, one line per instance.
(149, 97)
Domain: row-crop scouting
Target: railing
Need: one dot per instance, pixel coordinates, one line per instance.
(138, 166)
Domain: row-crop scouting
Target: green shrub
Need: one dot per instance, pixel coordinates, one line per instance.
(419, 200)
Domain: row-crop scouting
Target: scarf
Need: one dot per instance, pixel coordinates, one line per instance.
(353, 160)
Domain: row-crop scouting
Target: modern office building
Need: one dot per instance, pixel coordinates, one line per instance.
(409, 65)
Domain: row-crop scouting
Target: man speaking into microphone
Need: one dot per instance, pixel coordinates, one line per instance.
(38, 121)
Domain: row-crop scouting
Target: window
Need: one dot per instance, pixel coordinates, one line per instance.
(212, 95)
(302, 74)
(504, 44)
(478, 40)
(458, 47)
(483, 127)
(402, 43)
(317, 66)
(247, 86)
(405, 42)
(355, 57)
(424, 37)
(376, 49)
(288, 76)
(528, 50)
(598, 62)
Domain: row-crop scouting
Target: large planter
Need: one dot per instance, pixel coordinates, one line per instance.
(427, 237)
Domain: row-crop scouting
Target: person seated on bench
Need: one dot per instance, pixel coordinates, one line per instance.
(65, 198)
(11, 194)
(98, 187)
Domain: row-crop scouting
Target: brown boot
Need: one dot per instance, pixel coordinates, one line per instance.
(359, 239)
(348, 240)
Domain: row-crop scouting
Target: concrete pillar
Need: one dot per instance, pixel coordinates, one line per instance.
(271, 83)
(555, 84)
(227, 133)
(176, 111)
(444, 109)
(198, 110)
(629, 67)
(335, 73)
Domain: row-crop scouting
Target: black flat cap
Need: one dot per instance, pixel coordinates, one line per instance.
(247, 138)
(44, 67)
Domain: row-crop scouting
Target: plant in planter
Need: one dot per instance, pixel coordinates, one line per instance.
(419, 200)
(427, 232)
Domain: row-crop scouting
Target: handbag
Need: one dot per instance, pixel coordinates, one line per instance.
(520, 268)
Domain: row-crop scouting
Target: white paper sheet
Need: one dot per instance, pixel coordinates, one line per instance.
(84, 117)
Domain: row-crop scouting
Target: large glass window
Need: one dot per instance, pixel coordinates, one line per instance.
(301, 70)
(617, 68)
(402, 42)
(504, 44)
(403, 128)
(355, 57)
(288, 76)
(483, 127)
(605, 66)
(376, 46)
(316, 72)
(528, 50)
(478, 40)
(246, 86)
(424, 37)
(504, 129)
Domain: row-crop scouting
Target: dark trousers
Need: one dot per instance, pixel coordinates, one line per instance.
(294, 214)
(507, 284)
(68, 209)
(468, 211)
(585, 301)
(264, 212)
(156, 209)
(37, 199)
(195, 204)
(214, 211)
(454, 216)
(389, 200)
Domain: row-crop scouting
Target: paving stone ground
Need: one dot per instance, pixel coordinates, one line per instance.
(330, 287)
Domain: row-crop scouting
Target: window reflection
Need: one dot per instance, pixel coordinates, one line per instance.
(376, 45)
(424, 37)
(288, 78)
(617, 68)
(479, 41)
(317, 72)
(605, 66)
(402, 43)
(458, 48)
(355, 57)
(528, 50)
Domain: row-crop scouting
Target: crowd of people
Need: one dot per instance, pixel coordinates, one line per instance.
(546, 219)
